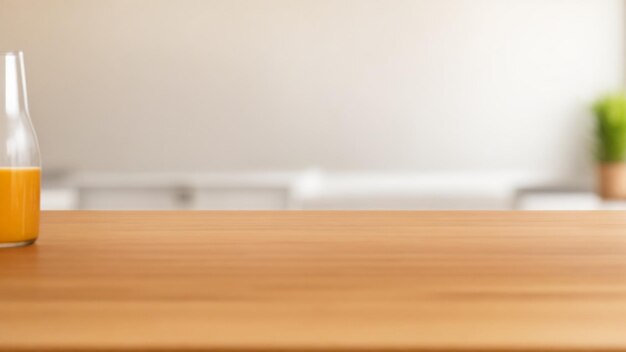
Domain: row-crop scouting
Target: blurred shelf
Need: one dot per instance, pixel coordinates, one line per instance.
(170, 191)
(308, 189)
(564, 198)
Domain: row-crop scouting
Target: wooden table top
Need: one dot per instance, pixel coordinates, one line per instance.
(316, 281)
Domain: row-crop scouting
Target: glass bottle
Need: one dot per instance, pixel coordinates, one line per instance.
(20, 165)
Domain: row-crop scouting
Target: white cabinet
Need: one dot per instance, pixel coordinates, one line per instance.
(59, 198)
(241, 199)
(177, 191)
(559, 198)
(128, 199)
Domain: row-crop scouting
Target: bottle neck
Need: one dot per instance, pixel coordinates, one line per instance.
(13, 101)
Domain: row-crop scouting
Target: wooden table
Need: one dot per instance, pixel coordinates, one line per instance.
(309, 281)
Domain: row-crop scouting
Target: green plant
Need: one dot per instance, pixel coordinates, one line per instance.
(610, 116)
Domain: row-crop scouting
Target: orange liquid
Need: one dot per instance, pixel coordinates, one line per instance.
(19, 204)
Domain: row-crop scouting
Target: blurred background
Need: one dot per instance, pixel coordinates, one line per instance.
(318, 104)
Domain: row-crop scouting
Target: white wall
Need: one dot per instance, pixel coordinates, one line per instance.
(452, 85)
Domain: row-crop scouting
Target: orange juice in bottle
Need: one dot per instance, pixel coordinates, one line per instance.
(19, 204)
(20, 169)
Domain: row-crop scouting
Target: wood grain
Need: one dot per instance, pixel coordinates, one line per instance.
(316, 281)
